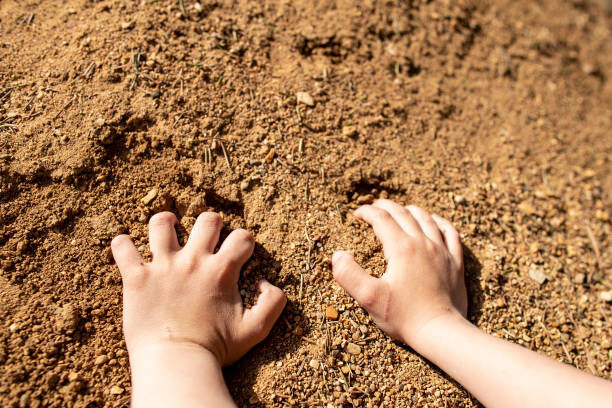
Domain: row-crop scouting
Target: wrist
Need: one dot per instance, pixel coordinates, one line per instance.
(439, 328)
(165, 371)
(168, 354)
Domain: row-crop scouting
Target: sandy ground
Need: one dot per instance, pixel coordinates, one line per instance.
(493, 114)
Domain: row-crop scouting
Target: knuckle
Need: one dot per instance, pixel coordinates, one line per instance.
(190, 263)
(430, 246)
(381, 214)
(406, 244)
(135, 278)
(163, 218)
(369, 298)
(225, 264)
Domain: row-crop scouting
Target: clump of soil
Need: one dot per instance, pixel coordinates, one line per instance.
(284, 117)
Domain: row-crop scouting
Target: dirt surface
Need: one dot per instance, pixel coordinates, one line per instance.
(493, 114)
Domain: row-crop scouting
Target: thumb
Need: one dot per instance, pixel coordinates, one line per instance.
(357, 282)
(258, 320)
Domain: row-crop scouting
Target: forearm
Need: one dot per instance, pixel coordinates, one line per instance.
(502, 374)
(182, 375)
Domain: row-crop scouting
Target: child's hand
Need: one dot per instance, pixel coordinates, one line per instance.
(424, 278)
(189, 296)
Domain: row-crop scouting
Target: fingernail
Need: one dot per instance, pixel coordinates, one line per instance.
(337, 255)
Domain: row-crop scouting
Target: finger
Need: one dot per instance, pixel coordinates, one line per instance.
(451, 238)
(205, 233)
(236, 250)
(259, 320)
(427, 224)
(162, 235)
(125, 253)
(401, 215)
(357, 282)
(385, 227)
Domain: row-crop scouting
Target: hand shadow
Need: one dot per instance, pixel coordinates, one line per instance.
(242, 375)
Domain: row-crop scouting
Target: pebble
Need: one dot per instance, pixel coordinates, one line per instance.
(147, 199)
(270, 156)
(197, 206)
(72, 377)
(606, 296)
(353, 348)
(52, 380)
(67, 319)
(13, 327)
(579, 278)
(331, 313)
(100, 122)
(116, 390)
(102, 359)
(459, 199)
(349, 131)
(245, 184)
(526, 208)
(537, 275)
(305, 98)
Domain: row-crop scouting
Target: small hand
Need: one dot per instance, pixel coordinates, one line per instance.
(189, 295)
(424, 278)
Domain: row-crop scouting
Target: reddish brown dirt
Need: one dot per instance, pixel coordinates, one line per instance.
(493, 114)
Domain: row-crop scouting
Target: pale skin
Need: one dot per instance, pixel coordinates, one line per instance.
(184, 318)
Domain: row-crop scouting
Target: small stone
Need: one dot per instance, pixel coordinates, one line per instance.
(365, 199)
(147, 199)
(197, 206)
(116, 390)
(106, 226)
(72, 377)
(606, 296)
(100, 122)
(331, 313)
(67, 318)
(102, 359)
(345, 369)
(459, 199)
(21, 246)
(353, 348)
(349, 131)
(52, 380)
(305, 98)
(13, 327)
(128, 25)
(156, 94)
(245, 184)
(313, 363)
(537, 275)
(579, 278)
(526, 208)
(270, 156)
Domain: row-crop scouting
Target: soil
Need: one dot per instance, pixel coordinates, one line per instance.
(494, 114)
